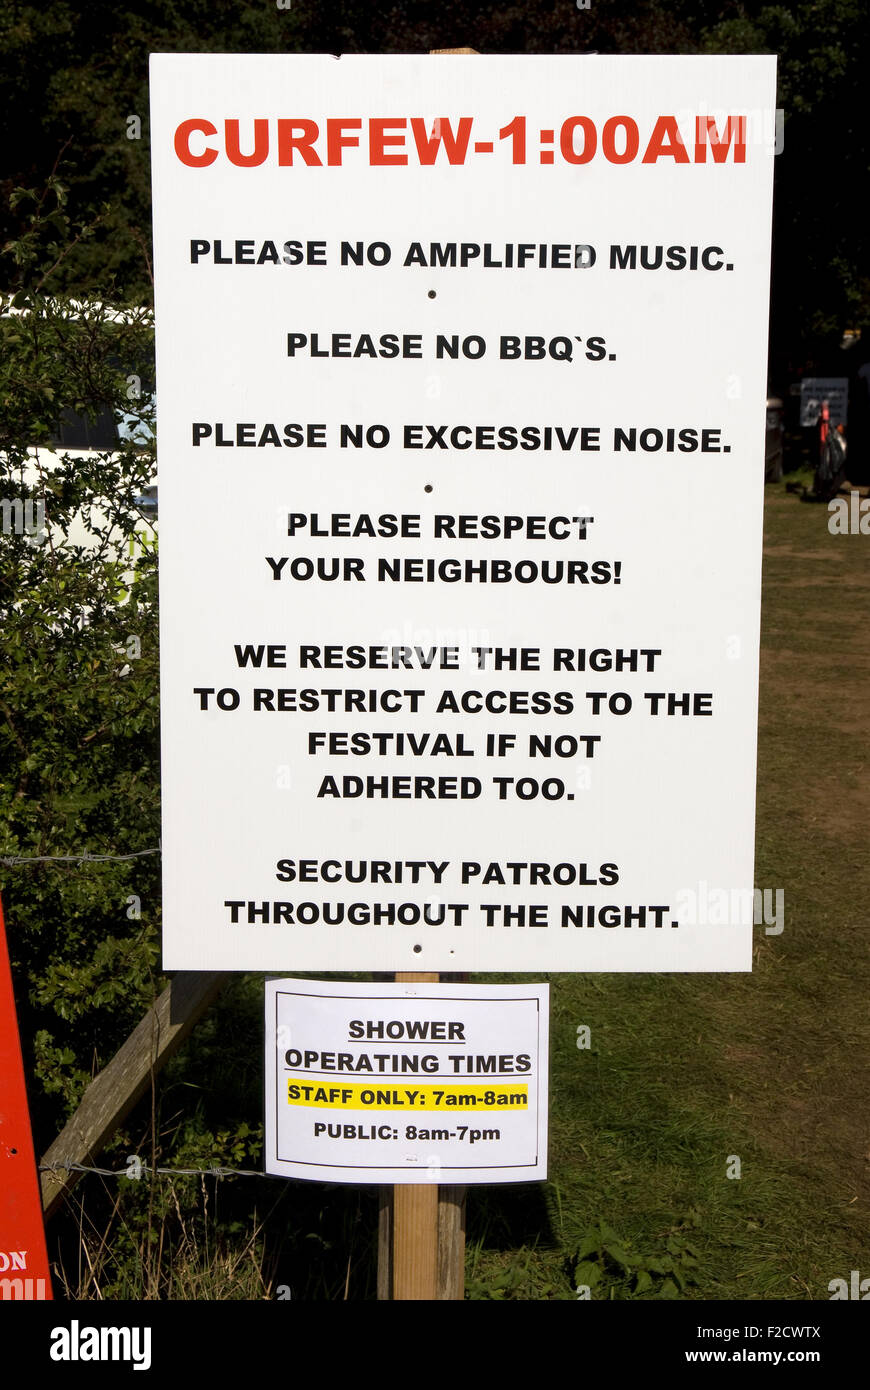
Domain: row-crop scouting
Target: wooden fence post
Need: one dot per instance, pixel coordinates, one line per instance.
(116, 1089)
(421, 1227)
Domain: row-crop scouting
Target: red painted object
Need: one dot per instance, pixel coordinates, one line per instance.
(24, 1272)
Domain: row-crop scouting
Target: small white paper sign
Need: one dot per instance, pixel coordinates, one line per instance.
(406, 1083)
(815, 390)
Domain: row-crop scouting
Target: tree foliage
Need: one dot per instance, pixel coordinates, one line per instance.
(80, 786)
(78, 677)
(72, 75)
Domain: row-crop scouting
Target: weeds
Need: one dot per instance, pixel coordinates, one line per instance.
(606, 1267)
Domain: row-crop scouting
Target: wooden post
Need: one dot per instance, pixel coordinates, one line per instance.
(115, 1090)
(414, 1223)
(450, 1253)
(415, 1241)
(421, 1229)
(451, 1243)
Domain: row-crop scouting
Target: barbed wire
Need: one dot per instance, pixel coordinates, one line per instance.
(9, 861)
(138, 1169)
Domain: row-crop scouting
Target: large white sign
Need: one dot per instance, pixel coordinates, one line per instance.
(406, 1083)
(461, 382)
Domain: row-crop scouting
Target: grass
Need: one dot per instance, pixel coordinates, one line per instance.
(689, 1078)
(687, 1073)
